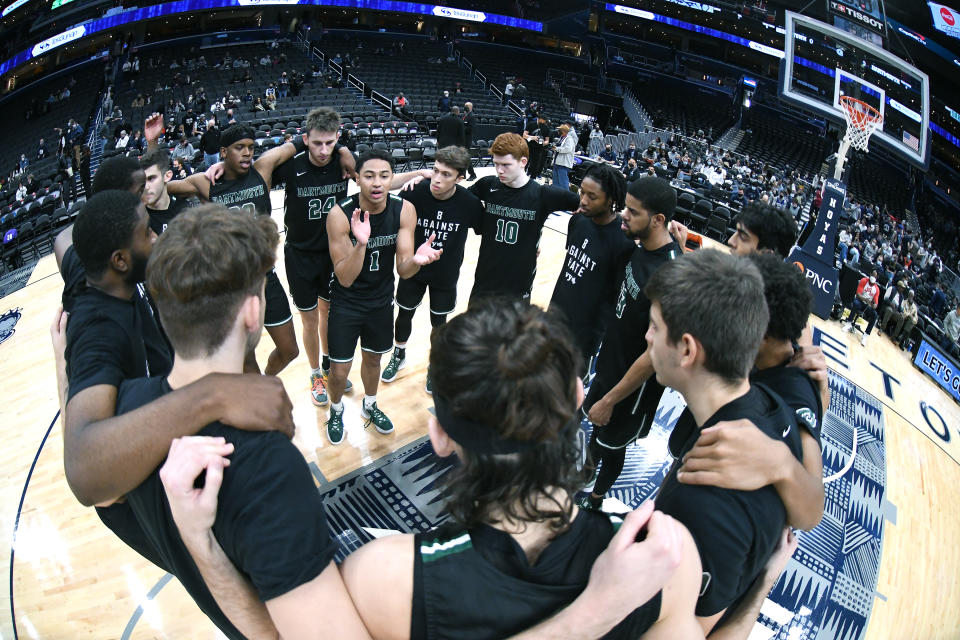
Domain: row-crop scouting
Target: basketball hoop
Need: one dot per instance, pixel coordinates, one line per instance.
(862, 121)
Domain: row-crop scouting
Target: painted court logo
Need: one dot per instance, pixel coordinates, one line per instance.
(7, 322)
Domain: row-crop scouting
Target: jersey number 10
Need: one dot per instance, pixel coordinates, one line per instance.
(507, 231)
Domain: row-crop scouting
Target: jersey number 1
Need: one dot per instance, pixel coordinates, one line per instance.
(507, 231)
(375, 260)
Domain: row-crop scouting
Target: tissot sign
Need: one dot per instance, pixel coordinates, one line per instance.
(854, 14)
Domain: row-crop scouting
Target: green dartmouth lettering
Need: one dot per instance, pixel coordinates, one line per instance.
(510, 212)
(238, 196)
(312, 192)
(382, 241)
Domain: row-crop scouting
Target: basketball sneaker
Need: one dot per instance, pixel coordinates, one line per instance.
(377, 418)
(589, 503)
(335, 426)
(318, 389)
(393, 367)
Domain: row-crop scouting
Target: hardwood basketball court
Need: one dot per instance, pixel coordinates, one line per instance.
(68, 577)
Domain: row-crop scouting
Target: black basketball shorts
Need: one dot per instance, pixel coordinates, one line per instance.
(410, 292)
(278, 308)
(309, 274)
(348, 323)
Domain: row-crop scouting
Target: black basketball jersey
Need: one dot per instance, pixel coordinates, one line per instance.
(160, 218)
(449, 220)
(310, 194)
(735, 531)
(587, 286)
(373, 287)
(512, 222)
(247, 192)
(624, 339)
(477, 584)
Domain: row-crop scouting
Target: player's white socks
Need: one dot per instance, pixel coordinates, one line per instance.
(337, 406)
(368, 401)
(317, 372)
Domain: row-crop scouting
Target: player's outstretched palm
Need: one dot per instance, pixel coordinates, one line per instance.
(153, 127)
(360, 226)
(426, 253)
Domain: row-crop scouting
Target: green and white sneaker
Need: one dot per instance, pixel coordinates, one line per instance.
(377, 418)
(335, 426)
(428, 385)
(326, 378)
(393, 368)
(318, 389)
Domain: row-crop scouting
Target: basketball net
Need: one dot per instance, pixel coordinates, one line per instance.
(862, 121)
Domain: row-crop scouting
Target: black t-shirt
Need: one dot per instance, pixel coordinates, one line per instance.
(793, 385)
(246, 192)
(587, 286)
(512, 222)
(479, 584)
(270, 520)
(373, 287)
(624, 340)
(110, 340)
(160, 218)
(735, 531)
(449, 220)
(74, 278)
(210, 141)
(310, 194)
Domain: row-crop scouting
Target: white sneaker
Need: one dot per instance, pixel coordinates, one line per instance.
(848, 327)
(863, 340)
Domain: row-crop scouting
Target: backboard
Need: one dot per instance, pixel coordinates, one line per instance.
(822, 63)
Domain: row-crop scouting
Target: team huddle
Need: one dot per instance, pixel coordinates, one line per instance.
(160, 386)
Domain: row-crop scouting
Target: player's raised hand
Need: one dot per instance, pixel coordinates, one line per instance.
(411, 183)
(360, 226)
(426, 253)
(153, 127)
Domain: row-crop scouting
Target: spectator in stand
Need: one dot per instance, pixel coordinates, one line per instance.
(210, 144)
(865, 304)
(892, 306)
(951, 327)
(596, 142)
(24, 163)
(609, 155)
(632, 171)
(469, 122)
(123, 141)
(563, 161)
(401, 106)
(41, 150)
(283, 85)
(184, 150)
(443, 103)
(21, 192)
(938, 301)
(450, 130)
(508, 92)
(180, 169)
(258, 105)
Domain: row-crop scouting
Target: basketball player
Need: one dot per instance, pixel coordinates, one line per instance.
(161, 206)
(597, 251)
(448, 211)
(316, 179)
(623, 367)
(364, 244)
(248, 190)
(508, 558)
(113, 336)
(702, 342)
(515, 208)
(739, 455)
(270, 518)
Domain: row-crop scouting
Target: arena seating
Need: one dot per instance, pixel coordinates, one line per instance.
(777, 142)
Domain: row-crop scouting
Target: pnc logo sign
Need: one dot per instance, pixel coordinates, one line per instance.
(817, 281)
